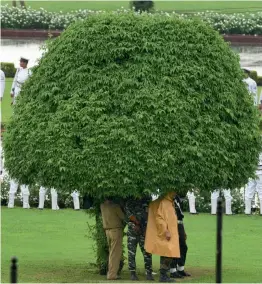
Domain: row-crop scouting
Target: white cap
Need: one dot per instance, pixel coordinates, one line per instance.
(23, 58)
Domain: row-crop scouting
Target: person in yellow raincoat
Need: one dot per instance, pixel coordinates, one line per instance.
(162, 235)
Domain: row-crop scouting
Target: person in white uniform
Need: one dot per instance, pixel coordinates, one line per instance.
(251, 86)
(2, 82)
(54, 197)
(192, 202)
(228, 198)
(14, 187)
(22, 74)
(253, 186)
(75, 195)
(13, 190)
(42, 197)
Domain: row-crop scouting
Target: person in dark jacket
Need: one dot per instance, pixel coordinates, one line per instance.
(177, 267)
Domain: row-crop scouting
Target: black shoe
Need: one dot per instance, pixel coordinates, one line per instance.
(165, 279)
(183, 273)
(133, 276)
(149, 277)
(194, 213)
(175, 275)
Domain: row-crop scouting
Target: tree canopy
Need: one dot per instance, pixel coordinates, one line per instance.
(124, 102)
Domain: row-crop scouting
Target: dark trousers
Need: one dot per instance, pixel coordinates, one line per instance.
(183, 248)
(165, 263)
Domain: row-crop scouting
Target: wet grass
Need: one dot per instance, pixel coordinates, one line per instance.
(54, 246)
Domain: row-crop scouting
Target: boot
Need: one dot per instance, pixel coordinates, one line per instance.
(26, 201)
(149, 277)
(133, 276)
(183, 273)
(164, 278)
(175, 275)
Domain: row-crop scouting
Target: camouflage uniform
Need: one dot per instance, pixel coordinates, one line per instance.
(137, 208)
(165, 263)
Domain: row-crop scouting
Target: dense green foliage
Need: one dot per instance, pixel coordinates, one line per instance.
(124, 103)
(259, 80)
(8, 68)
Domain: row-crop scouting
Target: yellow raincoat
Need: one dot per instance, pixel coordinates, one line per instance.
(162, 217)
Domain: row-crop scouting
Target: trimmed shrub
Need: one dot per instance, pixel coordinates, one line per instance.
(9, 69)
(137, 109)
(253, 75)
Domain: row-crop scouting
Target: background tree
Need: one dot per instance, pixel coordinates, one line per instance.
(123, 103)
(142, 6)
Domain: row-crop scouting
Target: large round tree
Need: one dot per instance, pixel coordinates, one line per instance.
(122, 103)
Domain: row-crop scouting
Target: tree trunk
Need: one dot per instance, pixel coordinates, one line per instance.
(101, 244)
(14, 3)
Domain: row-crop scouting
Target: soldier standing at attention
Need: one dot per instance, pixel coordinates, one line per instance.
(22, 74)
(113, 224)
(137, 212)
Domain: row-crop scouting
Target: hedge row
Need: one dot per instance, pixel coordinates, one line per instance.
(8, 68)
(238, 23)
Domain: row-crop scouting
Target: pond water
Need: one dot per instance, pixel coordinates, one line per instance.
(13, 49)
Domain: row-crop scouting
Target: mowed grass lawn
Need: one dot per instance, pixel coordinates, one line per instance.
(180, 6)
(54, 246)
(6, 108)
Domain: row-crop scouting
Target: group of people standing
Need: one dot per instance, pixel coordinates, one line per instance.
(155, 225)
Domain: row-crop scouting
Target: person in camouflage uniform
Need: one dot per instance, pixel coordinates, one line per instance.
(136, 212)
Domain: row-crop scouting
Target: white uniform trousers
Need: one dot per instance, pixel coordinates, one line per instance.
(75, 196)
(42, 194)
(228, 199)
(192, 201)
(13, 190)
(253, 186)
